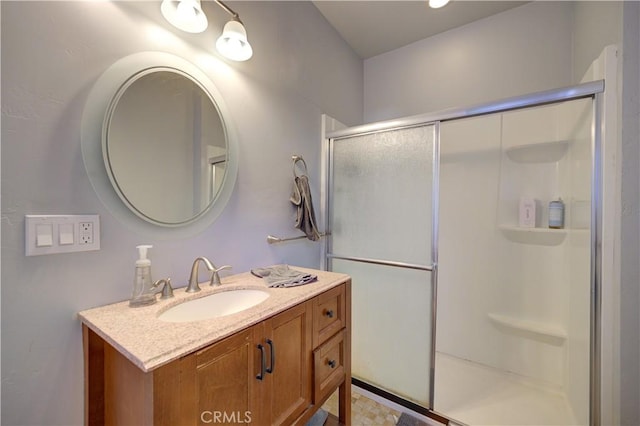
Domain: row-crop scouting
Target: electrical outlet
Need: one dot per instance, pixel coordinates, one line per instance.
(86, 233)
(49, 234)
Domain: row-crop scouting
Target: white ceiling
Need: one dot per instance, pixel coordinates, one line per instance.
(374, 27)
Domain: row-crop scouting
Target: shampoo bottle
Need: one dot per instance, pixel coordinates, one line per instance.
(556, 214)
(142, 284)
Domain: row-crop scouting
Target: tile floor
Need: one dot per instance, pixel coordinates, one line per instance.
(364, 411)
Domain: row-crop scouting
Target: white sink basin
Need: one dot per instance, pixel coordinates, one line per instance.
(214, 305)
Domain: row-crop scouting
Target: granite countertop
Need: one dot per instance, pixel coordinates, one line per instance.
(149, 343)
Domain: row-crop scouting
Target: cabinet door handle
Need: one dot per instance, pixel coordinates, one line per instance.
(263, 363)
(332, 363)
(329, 313)
(272, 365)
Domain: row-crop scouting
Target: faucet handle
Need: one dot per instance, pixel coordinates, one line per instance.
(167, 290)
(215, 278)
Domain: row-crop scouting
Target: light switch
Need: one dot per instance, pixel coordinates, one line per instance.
(44, 235)
(65, 234)
(49, 234)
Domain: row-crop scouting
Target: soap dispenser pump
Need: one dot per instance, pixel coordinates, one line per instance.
(143, 293)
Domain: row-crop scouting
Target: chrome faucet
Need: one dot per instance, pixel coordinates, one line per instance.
(215, 278)
(193, 286)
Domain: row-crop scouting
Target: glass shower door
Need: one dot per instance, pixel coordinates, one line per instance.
(513, 335)
(381, 222)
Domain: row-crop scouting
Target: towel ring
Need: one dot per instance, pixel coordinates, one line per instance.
(295, 159)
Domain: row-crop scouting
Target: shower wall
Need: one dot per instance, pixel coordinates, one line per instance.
(511, 298)
(468, 238)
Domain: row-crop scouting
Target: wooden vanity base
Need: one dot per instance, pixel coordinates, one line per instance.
(279, 371)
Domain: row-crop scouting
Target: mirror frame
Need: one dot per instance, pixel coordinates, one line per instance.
(96, 115)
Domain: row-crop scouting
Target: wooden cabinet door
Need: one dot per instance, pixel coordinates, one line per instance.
(224, 387)
(290, 381)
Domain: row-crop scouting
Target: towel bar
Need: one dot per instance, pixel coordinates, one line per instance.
(274, 240)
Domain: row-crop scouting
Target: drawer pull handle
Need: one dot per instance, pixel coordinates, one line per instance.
(262, 363)
(329, 313)
(273, 357)
(332, 363)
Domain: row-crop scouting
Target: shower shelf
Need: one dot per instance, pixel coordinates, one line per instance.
(539, 236)
(532, 329)
(542, 152)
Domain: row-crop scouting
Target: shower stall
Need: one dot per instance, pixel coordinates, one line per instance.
(460, 307)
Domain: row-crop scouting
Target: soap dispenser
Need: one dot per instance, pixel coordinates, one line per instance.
(143, 287)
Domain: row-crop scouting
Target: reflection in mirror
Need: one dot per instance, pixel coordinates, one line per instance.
(153, 178)
(164, 146)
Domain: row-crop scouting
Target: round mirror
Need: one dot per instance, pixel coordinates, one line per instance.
(157, 142)
(164, 146)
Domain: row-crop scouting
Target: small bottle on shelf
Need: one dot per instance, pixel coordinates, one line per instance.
(556, 214)
(527, 212)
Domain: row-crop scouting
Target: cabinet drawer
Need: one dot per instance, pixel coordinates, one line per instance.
(328, 362)
(328, 314)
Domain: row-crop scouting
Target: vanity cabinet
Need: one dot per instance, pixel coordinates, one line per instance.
(260, 375)
(278, 371)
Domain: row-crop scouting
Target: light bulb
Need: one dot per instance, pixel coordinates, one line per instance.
(233, 43)
(186, 15)
(435, 4)
(186, 10)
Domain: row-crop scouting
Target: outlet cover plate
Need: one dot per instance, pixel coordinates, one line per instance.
(69, 233)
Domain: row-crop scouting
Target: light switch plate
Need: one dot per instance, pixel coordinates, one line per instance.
(66, 234)
(44, 235)
(49, 234)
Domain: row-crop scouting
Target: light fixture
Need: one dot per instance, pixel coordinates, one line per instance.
(186, 15)
(436, 4)
(233, 43)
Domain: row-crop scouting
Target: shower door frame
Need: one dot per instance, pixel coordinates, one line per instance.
(593, 90)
